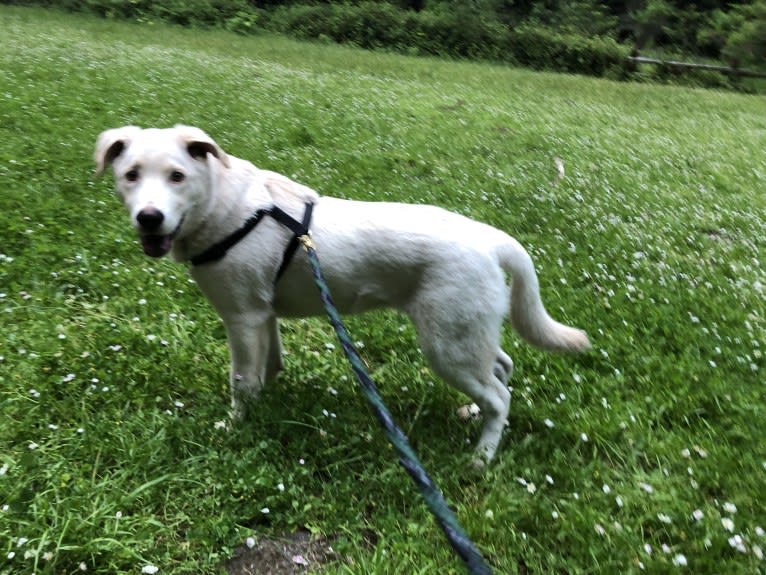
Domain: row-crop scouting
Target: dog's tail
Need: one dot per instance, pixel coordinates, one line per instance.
(528, 315)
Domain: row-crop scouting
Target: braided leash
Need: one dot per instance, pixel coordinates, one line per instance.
(434, 499)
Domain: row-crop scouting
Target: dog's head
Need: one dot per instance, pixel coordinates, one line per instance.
(160, 175)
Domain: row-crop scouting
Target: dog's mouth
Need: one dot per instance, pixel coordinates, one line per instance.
(157, 245)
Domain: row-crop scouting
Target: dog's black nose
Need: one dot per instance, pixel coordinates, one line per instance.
(150, 218)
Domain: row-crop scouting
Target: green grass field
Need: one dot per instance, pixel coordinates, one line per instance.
(648, 453)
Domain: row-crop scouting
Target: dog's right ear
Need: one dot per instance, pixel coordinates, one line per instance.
(110, 144)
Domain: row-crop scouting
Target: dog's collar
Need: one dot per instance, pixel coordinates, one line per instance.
(218, 250)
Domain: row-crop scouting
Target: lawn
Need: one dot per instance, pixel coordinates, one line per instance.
(647, 453)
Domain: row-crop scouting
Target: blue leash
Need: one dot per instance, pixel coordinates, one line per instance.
(434, 499)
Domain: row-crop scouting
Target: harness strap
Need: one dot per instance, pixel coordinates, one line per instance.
(218, 250)
(298, 229)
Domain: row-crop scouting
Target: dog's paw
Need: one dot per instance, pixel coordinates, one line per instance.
(471, 411)
(479, 463)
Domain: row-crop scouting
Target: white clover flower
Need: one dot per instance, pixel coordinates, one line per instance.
(150, 569)
(738, 543)
(606, 489)
(758, 552)
(265, 510)
(599, 529)
(250, 542)
(727, 523)
(648, 548)
(697, 514)
(548, 423)
(679, 560)
(664, 518)
(531, 488)
(646, 487)
(584, 437)
(730, 508)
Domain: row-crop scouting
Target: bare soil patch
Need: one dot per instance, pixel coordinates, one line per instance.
(293, 554)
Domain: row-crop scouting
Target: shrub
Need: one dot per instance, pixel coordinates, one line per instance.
(543, 49)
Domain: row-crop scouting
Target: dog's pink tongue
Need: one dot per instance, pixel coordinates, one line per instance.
(156, 246)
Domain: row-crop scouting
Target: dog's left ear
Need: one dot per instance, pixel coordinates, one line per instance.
(199, 144)
(111, 144)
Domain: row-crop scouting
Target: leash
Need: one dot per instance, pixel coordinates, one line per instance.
(434, 499)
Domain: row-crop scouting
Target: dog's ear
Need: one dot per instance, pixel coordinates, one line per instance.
(110, 144)
(199, 144)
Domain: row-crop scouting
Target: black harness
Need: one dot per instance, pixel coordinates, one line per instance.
(218, 250)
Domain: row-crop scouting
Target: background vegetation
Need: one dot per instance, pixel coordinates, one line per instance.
(583, 36)
(645, 454)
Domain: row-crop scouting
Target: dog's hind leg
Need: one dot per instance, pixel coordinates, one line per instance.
(503, 369)
(466, 354)
(494, 399)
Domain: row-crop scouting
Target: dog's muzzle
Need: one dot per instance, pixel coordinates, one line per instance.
(154, 244)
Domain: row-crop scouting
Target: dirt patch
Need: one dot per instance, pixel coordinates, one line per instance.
(293, 554)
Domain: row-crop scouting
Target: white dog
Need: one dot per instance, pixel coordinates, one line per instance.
(188, 197)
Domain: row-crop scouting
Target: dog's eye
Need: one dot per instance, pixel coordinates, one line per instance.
(131, 175)
(177, 177)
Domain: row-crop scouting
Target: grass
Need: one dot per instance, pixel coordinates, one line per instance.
(647, 453)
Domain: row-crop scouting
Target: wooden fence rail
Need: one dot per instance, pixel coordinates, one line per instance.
(689, 66)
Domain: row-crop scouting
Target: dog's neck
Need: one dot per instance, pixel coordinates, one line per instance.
(221, 214)
(239, 193)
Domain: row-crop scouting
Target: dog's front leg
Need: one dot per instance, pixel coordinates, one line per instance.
(254, 347)
(274, 362)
